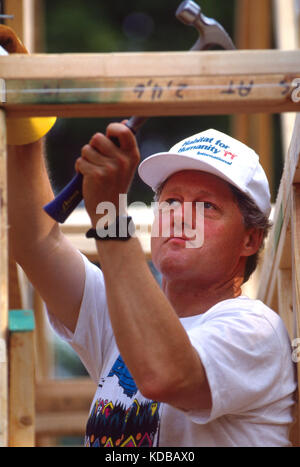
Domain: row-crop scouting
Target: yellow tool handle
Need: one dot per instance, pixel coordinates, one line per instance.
(22, 130)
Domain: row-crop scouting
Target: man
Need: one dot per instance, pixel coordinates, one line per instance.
(194, 363)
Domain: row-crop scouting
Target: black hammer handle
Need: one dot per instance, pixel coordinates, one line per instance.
(71, 195)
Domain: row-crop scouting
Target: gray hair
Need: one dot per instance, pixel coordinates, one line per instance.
(252, 217)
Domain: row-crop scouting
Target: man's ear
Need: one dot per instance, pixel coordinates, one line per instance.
(252, 241)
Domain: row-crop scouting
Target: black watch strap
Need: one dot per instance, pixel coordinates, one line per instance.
(121, 229)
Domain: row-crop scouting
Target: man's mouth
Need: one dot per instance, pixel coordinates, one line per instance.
(182, 239)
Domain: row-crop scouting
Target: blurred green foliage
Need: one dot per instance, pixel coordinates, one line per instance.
(120, 26)
(100, 26)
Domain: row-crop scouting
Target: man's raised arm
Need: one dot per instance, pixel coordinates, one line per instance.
(53, 266)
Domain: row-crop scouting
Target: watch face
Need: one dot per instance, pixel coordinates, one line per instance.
(122, 229)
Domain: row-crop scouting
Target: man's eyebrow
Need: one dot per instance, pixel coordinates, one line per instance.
(179, 189)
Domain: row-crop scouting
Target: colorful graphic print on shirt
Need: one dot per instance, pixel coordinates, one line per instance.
(121, 416)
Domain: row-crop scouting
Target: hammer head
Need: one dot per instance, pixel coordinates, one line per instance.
(211, 33)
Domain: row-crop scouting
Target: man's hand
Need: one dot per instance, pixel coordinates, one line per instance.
(107, 169)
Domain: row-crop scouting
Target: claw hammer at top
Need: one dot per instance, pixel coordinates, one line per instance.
(211, 33)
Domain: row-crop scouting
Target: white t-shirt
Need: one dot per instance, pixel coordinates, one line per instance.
(245, 350)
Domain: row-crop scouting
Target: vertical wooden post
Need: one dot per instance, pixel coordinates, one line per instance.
(286, 38)
(296, 254)
(3, 283)
(21, 379)
(253, 31)
(295, 221)
(15, 8)
(285, 305)
(24, 24)
(44, 355)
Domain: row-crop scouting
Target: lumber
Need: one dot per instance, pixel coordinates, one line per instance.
(255, 130)
(21, 379)
(64, 395)
(285, 20)
(278, 239)
(122, 84)
(61, 424)
(280, 271)
(62, 406)
(139, 64)
(285, 303)
(296, 256)
(44, 346)
(3, 284)
(295, 221)
(27, 22)
(286, 38)
(17, 23)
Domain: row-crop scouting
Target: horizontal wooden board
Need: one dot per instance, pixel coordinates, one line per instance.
(149, 84)
(141, 64)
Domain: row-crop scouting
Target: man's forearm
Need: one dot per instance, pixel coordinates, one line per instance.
(148, 332)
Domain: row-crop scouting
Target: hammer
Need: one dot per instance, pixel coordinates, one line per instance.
(211, 34)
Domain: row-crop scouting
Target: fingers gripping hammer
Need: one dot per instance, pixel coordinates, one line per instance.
(211, 34)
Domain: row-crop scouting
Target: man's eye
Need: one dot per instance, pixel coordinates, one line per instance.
(172, 201)
(208, 205)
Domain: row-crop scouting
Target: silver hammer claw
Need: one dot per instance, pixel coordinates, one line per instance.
(211, 33)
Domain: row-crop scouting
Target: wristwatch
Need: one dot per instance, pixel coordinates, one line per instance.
(121, 229)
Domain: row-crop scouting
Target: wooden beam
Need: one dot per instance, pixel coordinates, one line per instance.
(3, 285)
(64, 395)
(277, 242)
(149, 84)
(280, 271)
(15, 8)
(21, 379)
(253, 31)
(61, 424)
(26, 22)
(286, 38)
(285, 299)
(252, 24)
(285, 24)
(295, 221)
(149, 64)
(62, 407)
(44, 346)
(296, 257)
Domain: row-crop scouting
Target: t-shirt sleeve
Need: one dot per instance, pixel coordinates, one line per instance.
(243, 355)
(93, 335)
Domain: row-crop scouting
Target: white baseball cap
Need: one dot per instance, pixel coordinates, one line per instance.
(218, 154)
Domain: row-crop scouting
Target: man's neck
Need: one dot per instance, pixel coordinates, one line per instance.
(190, 300)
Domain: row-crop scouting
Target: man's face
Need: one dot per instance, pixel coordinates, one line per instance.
(219, 257)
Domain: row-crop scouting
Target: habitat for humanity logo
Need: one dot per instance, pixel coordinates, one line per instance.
(215, 149)
(182, 221)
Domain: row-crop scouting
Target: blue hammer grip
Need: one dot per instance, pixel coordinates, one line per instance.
(66, 201)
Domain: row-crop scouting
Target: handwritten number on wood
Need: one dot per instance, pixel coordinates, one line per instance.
(157, 90)
(243, 89)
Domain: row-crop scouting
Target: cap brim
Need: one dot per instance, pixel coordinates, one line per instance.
(158, 168)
